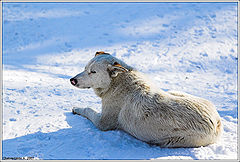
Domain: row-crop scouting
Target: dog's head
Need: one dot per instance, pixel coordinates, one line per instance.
(100, 71)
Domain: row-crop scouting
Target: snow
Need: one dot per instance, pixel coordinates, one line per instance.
(189, 47)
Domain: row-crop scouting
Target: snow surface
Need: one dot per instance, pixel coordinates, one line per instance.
(189, 47)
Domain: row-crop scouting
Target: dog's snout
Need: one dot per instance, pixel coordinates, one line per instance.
(73, 81)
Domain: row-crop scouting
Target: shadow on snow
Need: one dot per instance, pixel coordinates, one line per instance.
(84, 141)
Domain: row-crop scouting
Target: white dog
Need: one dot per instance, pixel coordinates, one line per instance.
(167, 119)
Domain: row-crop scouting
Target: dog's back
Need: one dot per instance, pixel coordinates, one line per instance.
(167, 119)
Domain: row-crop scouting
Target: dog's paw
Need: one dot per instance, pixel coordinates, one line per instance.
(73, 111)
(79, 111)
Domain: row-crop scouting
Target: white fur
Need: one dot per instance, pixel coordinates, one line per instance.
(168, 119)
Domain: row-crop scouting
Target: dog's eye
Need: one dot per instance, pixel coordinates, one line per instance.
(91, 72)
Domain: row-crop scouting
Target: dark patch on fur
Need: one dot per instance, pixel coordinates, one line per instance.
(101, 53)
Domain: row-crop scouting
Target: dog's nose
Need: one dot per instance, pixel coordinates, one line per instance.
(73, 81)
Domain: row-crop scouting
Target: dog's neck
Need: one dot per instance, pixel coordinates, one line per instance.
(100, 92)
(128, 82)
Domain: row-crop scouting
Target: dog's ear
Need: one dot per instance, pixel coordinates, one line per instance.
(116, 69)
(101, 53)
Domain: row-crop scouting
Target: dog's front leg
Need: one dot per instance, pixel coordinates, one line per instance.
(88, 113)
(97, 119)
